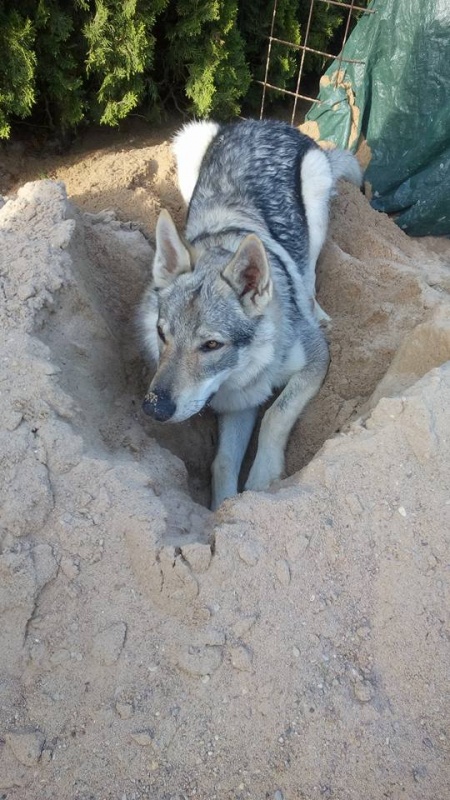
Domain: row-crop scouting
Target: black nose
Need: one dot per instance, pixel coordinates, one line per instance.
(159, 405)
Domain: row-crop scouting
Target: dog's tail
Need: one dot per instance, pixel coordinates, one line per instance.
(189, 146)
(344, 165)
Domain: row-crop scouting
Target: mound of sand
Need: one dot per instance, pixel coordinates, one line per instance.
(295, 644)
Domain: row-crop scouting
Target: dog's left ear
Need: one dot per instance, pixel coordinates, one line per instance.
(172, 256)
(249, 275)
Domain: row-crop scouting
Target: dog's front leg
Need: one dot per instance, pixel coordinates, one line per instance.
(235, 429)
(278, 421)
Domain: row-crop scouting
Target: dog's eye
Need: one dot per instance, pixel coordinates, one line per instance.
(211, 345)
(161, 334)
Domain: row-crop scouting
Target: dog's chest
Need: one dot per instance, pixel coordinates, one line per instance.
(239, 392)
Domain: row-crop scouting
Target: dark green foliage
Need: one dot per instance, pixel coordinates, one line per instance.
(76, 59)
(255, 17)
(120, 55)
(206, 55)
(17, 67)
(324, 23)
(58, 78)
(69, 61)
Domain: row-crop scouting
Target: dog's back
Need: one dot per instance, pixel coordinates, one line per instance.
(266, 174)
(254, 169)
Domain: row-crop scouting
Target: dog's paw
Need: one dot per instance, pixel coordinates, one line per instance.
(218, 498)
(264, 471)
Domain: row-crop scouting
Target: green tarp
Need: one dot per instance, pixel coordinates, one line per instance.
(396, 97)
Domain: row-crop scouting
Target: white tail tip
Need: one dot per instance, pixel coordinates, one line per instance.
(345, 165)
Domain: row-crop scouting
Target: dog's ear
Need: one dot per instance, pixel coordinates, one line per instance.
(172, 256)
(249, 275)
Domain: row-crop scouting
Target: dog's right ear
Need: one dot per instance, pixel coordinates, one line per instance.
(172, 257)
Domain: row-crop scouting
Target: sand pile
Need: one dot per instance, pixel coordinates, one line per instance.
(295, 644)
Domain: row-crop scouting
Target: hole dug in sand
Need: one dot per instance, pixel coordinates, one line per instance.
(304, 647)
(373, 281)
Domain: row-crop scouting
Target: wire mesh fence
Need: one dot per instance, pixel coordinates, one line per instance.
(352, 9)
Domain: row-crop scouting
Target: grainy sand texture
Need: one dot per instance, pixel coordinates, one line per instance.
(293, 646)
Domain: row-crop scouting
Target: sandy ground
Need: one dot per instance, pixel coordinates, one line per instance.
(293, 646)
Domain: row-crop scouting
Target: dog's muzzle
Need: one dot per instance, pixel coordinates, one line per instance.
(159, 405)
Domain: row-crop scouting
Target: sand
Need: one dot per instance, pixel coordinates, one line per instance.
(293, 646)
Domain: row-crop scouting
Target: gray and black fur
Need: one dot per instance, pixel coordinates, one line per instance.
(231, 313)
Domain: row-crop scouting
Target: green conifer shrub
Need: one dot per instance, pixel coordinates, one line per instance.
(255, 19)
(120, 56)
(69, 61)
(59, 79)
(205, 55)
(17, 67)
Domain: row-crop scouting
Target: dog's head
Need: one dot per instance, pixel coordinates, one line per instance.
(200, 317)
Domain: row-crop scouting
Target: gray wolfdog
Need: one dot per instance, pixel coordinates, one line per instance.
(230, 315)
